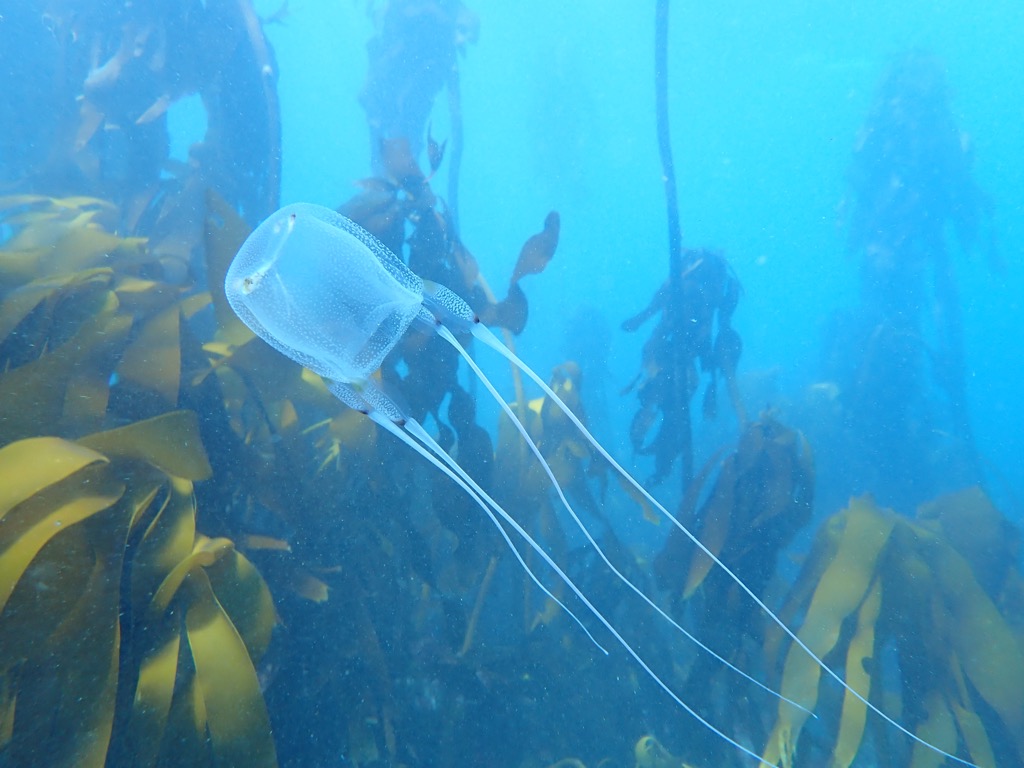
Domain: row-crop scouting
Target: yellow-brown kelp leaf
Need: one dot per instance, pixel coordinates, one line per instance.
(926, 604)
(244, 596)
(172, 552)
(56, 248)
(969, 723)
(152, 361)
(862, 650)
(167, 541)
(716, 519)
(236, 716)
(840, 591)
(154, 693)
(762, 496)
(31, 525)
(538, 250)
(225, 233)
(37, 393)
(937, 729)
(20, 302)
(61, 556)
(974, 623)
(976, 529)
(88, 688)
(649, 753)
(29, 466)
(170, 442)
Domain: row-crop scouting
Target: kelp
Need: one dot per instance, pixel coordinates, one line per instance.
(694, 311)
(649, 753)
(99, 81)
(521, 482)
(402, 195)
(927, 591)
(338, 501)
(899, 356)
(123, 630)
(90, 324)
(412, 57)
(761, 495)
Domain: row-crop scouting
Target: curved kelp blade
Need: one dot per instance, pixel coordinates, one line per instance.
(60, 389)
(152, 361)
(71, 512)
(918, 599)
(862, 650)
(170, 442)
(63, 552)
(841, 589)
(236, 716)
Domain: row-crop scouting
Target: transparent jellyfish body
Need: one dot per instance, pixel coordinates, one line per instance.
(330, 296)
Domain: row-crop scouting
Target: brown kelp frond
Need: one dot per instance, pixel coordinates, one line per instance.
(119, 623)
(521, 482)
(694, 327)
(52, 236)
(90, 324)
(762, 496)
(878, 584)
(104, 83)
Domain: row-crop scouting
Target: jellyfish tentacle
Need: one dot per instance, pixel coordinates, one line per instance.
(450, 338)
(344, 393)
(484, 334)
(456, 470)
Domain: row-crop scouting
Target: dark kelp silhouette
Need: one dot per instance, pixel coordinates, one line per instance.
(95, 85)
(761, 497)
(412, 57)
(694, 314)
(700, 285)
(904, 384)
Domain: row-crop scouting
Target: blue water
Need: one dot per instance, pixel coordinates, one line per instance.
(766, 101)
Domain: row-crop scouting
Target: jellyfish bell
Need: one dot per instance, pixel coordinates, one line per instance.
(327, 294)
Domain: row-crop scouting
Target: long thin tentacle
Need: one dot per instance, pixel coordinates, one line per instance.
(383, 421)
(484, 334)
(450, 338)
(397, 431)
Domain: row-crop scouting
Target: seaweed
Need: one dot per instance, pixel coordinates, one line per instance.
(700, 285)
(877, 584)
(99, 81)
(694, 311)
(904, 388)
(123, 628)
(761, 497)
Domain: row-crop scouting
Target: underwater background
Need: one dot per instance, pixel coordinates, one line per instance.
(205, 559)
